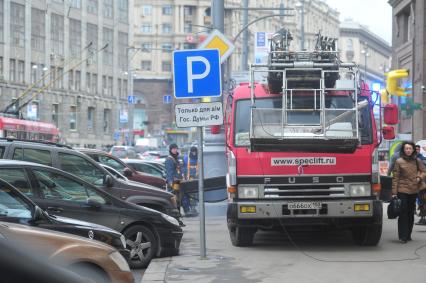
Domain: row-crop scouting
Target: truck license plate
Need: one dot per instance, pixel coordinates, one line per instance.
(304, 205)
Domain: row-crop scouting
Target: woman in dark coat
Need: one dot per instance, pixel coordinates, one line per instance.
(407, 175)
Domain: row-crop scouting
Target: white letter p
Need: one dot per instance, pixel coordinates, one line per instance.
(191, 76)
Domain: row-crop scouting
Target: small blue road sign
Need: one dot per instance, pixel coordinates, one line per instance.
(167, 99)
(131, 99)
(196, 73)
(116, 135)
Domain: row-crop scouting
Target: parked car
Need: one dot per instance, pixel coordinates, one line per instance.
(81, 165)
(114, 162)
(124, 151)
(149, 233)
(92, 259)
(155, 155)
(146, 167)
(15, 207)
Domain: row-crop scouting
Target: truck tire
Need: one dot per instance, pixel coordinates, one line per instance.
(367, 235)
(242, 237)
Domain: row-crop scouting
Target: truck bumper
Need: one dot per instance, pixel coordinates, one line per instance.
(339, 213)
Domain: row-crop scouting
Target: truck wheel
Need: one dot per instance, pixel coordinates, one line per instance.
(242, 237)
(367, 235)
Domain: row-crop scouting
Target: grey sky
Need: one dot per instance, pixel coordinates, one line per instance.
(376, 14)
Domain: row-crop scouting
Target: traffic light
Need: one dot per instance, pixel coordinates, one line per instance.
(392, 82)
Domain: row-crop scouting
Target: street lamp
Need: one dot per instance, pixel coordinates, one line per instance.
(366, 54)
(300, 6)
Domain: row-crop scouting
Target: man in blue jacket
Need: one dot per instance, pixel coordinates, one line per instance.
(174, 175)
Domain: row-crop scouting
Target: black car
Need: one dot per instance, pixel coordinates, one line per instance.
(149, 233)
(79, 164)
(15, 207)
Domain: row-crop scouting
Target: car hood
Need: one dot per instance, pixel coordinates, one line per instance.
(150, 190)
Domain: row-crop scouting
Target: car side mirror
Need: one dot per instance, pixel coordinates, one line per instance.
(127, 172)
(38, 214)
(108, 181)
(93, 203)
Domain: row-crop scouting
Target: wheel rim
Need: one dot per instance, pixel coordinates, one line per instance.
(140, 246)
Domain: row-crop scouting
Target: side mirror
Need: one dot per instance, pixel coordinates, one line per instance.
(127, 172)
(108, 181)
(390, 114)
(388, 132)
(93, 203)
(38, 214)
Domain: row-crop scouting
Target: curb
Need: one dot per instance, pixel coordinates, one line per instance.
(157, 270)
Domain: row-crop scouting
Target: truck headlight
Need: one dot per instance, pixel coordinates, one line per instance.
(360, 190)
(248, 191)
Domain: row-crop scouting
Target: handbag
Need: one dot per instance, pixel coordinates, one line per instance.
(394, 208)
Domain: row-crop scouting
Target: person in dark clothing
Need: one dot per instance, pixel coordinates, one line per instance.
(407, 175)
(419, 155)
(174, 175)
(190, 172)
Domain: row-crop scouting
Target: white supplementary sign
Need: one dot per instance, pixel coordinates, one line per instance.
(199, 114)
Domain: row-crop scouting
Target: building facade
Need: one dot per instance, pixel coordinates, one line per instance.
(409, 52)
(161, 26)
(71, 57)
(372, 53)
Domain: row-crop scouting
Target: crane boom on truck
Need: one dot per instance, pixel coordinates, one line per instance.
(301, 148)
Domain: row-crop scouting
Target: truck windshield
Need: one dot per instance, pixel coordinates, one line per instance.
(242, 115)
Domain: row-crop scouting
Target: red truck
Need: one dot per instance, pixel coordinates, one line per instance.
(302, 148)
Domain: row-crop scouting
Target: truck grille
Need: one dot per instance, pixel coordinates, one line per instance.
(296, 192)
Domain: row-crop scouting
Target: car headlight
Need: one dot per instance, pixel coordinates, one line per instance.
(123, 241)
(119, 260)
(360, 190)
(170, 219)
(248, 191)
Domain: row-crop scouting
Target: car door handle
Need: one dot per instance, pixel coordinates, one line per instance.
(55, 209)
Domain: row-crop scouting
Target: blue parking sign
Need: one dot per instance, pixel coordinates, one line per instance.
(196, 73)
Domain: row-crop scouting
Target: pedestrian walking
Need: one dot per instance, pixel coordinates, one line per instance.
(190, 172)
(174, 175)
(422, 194)
(407, 175)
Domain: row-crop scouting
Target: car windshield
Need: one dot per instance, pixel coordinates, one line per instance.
(12, 206)
(242, 123)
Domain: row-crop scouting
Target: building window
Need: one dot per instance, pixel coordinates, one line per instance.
(60, 79)
(94, 83)
(108, 9)
(90, 118)
(73, 118)
(1, 20)
(146, 47)
(123, 40)
(75, 4)
(12, 70)
(189, 45)
(55, 114)
(75, 38)
(167, 10)
(92, 37)
(167, 28)
(123, 10)
(146, 10)
(88, 82)
(57, 34)
(34, 68)
(146, 65)
(120, 89)
(187, 27)
(38, 32)
(110, 84)
(167, 47)
(125, 89)
(146, 28)
(104, 85)
(108, 52)
(77, 80)
(188, 10)
(92, 6)
(17, 24)
(71, 79)
(1, 68)
(21, 71)
(107, 120)
(166, 66)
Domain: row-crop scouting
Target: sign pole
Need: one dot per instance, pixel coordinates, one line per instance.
(201, 195)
